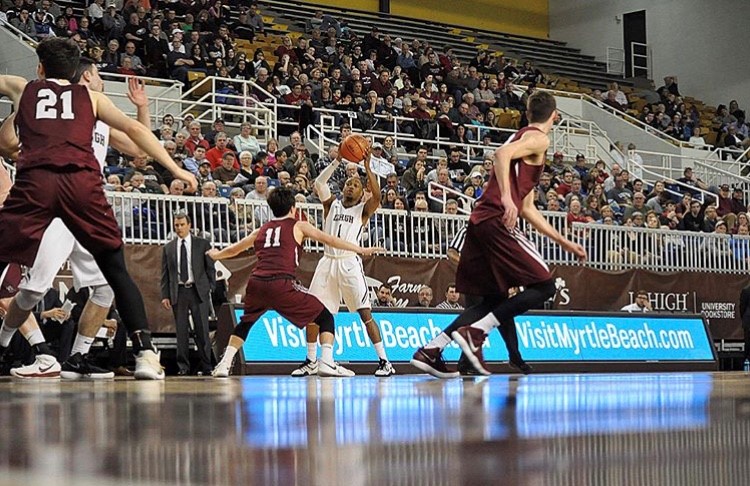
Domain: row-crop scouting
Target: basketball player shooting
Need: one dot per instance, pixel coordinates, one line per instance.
(339, 274)
(496, 254)
(272, 284)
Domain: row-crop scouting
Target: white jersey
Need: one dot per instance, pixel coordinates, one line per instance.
(100, 142)
(344, 223)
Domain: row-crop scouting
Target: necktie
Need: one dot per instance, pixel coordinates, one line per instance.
(184, 263)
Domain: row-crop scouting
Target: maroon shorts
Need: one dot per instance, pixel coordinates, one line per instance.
(9, 281)
(283, 295)
(40, 195)
(494, 259)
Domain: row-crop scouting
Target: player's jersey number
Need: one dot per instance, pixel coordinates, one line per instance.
(51, 107)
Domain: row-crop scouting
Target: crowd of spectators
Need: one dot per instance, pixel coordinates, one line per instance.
(331, 67)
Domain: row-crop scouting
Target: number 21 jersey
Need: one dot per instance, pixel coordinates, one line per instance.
(55, 124)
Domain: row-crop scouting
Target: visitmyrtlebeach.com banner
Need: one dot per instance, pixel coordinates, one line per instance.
(541, 337)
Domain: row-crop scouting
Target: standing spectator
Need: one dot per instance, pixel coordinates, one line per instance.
(451, 298)
(187, 278)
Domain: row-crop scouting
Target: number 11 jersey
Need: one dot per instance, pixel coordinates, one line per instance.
(277, 249)
(55, 123)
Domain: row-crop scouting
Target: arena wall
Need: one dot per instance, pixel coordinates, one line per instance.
(699, 42)
(523, 18)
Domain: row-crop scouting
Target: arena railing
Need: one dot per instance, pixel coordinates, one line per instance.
(205, 105)
(147, 219)
(616, 248)
(21, 36)
(621, 114)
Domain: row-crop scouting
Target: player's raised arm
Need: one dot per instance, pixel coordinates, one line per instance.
(373, 185)
(137, 96)
(233, 250)
(530, 143)
(106, 111)
(12, 87)
(530, 213)
(306, 230)
(321, 184)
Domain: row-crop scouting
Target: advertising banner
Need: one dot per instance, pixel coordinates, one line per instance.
(578, 288)
(547, 336)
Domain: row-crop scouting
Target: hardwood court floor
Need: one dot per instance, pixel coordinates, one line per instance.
(608, 429)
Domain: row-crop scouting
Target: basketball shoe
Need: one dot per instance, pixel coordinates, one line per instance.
(78, 367)
(44, 367)
(385, 368)
(470, 339)
(147, 366)
(430, 360)
(335, 370)
(307, 368)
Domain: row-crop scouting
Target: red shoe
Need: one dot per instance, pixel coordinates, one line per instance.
(430, 360)
(471, 339)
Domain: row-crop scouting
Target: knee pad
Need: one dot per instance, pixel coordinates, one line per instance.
(325, 321)
(28, 299)
(102, 295)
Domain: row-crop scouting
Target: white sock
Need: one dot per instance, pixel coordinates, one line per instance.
(82, 344)
(326, 354)
(487, 323)
(440, 341)
(312, 351)
(380, 349)
(36, 337)
(229, 354)
(5, 335)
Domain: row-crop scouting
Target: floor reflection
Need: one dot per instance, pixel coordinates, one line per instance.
(556, 429)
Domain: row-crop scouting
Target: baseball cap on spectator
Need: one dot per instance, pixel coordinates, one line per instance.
(377, 145)
(580, 156)
(177, 31)
(737, 189)
(725, 187)
(720, 222)
(205, 162)
(558, 155)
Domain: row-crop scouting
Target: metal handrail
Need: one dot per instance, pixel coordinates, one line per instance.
(28, 41)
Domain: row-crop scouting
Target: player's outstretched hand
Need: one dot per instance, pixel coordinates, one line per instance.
(510, 216)
(137, 91)
(576, 249)
(372, 250)
(188, 178)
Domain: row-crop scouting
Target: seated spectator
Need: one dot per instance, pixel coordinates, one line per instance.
(260, 191)
(383, 297)
(216, 154)
(246, 140)
(693, 219)
(226, 173)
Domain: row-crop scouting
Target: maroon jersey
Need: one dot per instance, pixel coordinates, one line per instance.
(523, 178)
(55, 125)
(276, 249)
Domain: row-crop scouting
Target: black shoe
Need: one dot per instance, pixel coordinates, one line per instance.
(465, 367)
(183, 373)
(7, 361)
(79, 367)
(522, 366)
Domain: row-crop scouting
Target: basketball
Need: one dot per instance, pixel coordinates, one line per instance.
(353, 148)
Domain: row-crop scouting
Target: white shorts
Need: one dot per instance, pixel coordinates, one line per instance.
(58, 245)
(338, 279)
